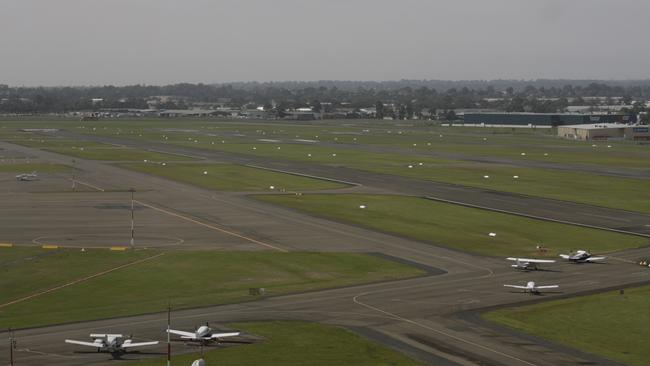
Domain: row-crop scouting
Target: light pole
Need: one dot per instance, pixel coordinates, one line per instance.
(132, 190)
(74, 183)
(12, 345)
(169, 344)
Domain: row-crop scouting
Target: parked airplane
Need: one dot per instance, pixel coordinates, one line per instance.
(581, 256)
(528, 264)
(198, 362)
(27, 176)
(203, 334)
(112, 343)
(532, 287)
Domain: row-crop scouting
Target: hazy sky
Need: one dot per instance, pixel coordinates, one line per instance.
(91, 42)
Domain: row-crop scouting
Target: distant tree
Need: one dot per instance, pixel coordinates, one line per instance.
(451, 115)
(379, 107)
(409, 110)
(644, 118)
(432, 112)
(401, 112)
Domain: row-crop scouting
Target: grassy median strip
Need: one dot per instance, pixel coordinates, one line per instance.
(229, 177)
(97, 151)
(187, 279)
(611, 325)
(20, 168)
(295, 344)
(575, 186)
(455, 226)
(27, 270)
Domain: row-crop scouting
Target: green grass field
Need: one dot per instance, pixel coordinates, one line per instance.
(601, 190)
(353, 144)
(297, 344)
(610, 325)
(25, 270)
(94, 150)
(190, 279)
(228, 177)
(31, 167)
(455, 226)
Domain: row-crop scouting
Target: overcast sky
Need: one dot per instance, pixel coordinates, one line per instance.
(91, 42)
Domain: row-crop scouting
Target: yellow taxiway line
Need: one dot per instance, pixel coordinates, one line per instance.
(79, 280)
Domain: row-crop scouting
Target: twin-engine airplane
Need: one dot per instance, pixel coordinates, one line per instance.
(528, 264)
(27, 176)
(203, 334)
(112, 343)
(581, 256)
(532, 287)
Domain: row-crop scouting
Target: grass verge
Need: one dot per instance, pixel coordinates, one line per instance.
(609, 325)
(455, 226)
(189, 279)
(298, 343)
(33, 167)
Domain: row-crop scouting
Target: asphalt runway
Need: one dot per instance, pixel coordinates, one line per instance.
(423, 317)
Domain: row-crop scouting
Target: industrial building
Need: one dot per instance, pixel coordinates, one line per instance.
(545, 119)
(604, 131)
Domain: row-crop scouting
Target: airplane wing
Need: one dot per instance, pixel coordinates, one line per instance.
(565, 256)
(99, 335)
(224, 335)
(548, 286)
(595, 259)
(182, 333)
(89, 344)
(515, 286)
(140, 344)
(531, 260)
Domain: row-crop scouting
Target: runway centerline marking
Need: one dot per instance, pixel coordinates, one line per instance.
(79, 280)
(213, 227)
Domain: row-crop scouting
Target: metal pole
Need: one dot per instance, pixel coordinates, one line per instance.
(169, 345)
(74, 183)
(12, 345)
(132, 221)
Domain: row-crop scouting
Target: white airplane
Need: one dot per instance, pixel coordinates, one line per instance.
(528, 264)
(532, 287)
(112, 343)
(581, 256)
(27, 176)
(198, 362)
(203, 334)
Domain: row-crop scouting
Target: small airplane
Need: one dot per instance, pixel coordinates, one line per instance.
(112, 343)
(528, 264)
(532, 287)
(581, 256)
(27, 176)
(203, 334)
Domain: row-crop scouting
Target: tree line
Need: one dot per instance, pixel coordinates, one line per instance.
(402, 99)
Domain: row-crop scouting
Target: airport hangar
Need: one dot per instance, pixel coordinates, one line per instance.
(605, 131)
